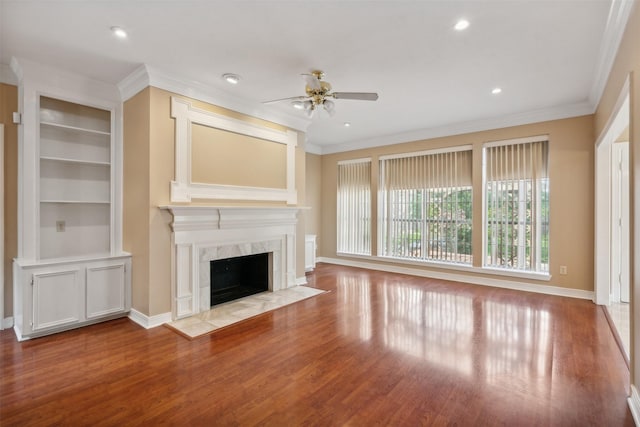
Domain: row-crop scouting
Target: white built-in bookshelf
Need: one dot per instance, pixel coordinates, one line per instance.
(75, 179)
(70, 270)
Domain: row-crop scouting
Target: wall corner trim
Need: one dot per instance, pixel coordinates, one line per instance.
(149, 322)
(634, 404)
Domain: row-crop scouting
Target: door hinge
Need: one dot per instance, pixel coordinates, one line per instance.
(31, 280)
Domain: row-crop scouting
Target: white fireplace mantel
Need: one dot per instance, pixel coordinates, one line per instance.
(205, 233)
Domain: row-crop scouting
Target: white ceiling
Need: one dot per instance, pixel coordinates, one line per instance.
(549, 57)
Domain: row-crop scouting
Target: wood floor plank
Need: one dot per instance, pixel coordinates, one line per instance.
(378, 349)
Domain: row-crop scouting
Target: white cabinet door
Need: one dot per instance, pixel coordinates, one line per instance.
(106, 289)
(57, 298)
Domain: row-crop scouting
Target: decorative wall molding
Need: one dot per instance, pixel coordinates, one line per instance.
(461, 277)
(149, 322)
(205, 233)
(183, 189)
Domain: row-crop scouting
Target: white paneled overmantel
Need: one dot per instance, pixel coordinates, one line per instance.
(202, 234)
(183, 189)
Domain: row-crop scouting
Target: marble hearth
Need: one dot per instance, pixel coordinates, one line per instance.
(202, 234)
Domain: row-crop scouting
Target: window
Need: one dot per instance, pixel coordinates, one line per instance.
(354, 207)
(516, 211)
(425, 206)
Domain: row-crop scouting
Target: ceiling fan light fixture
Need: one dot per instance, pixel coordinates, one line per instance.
(231, 78)
(329, 107)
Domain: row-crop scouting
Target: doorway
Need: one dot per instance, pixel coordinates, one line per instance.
(612, 262)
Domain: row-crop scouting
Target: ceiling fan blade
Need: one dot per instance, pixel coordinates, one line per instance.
(292, 98)
(312, 81)
(362, 96)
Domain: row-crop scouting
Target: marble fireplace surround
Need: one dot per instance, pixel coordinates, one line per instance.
(201, 234)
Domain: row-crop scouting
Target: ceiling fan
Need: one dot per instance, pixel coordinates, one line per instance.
(318, 94)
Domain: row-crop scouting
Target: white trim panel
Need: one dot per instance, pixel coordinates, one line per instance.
(497, 283)
(183, 189)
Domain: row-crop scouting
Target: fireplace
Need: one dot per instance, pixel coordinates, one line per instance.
(238, 277)
(202, 234)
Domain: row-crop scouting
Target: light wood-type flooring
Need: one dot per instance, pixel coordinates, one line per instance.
(379, 349)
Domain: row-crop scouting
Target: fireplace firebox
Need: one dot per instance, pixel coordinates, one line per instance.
(233, 278)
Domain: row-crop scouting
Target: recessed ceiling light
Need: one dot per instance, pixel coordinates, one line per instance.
(231, 78)
(347, 124)
(461, 25)
(496, 91)
(119, 32)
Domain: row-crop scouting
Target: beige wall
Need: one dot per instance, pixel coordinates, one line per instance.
(571, 199)
(627, 64)
(135, 228)
(9, 104)
(313, 185)
(149, 141)
(223, 157)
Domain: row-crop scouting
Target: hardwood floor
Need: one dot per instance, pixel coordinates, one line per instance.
(379, 349)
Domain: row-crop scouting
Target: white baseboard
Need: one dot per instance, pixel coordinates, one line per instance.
(301, 280)
(149, 322)
(461, 277)
(634, 405)
(7, 323)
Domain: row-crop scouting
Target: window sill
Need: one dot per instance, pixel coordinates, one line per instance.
(543, 277)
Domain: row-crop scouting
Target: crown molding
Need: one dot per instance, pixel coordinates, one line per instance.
(313, 148)
(535, 116)
(16, 69)
(614, 31)
(53, 81)
(134, 83)
(145, 75)
(7, 76)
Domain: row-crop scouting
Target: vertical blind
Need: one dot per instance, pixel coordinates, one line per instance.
(517, 206)
(426, 207)
(354, 207)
